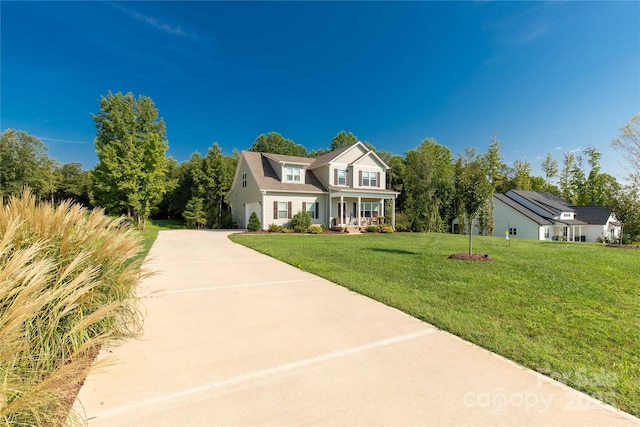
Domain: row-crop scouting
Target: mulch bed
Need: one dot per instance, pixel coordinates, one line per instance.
(615, 245)
(473, 257)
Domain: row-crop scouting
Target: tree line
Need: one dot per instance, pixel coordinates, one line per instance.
(135, 177)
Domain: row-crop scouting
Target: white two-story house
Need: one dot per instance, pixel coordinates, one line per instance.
(345, 187)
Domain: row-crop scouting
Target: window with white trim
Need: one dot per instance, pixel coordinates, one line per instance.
(244, 179)
(547, 232)
(342, 177)
(283, 210)
(293, 173)
(512, 231)
(369, 179)
(369, 210)
(311, 208)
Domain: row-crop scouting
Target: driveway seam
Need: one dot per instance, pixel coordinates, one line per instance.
(287, 367)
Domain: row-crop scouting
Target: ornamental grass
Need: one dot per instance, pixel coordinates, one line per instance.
(68, 279)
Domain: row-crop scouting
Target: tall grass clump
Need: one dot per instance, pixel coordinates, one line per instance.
(68, 281)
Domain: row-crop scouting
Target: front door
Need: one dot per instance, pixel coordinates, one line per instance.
(342, 212)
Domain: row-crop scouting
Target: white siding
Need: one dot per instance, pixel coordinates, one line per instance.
(240, 196)
(296, 200)
(505, 216)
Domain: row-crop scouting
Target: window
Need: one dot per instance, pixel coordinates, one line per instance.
(293, 173)
(342, 177)
(244, 179)
(369, 210)
(512, 232)
(547, 232)
(368, 179)
(283, 211)
(312, 208)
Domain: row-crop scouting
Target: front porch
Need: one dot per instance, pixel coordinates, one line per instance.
(571, 233)
(353, 209)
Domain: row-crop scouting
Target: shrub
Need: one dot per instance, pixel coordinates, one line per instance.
(254, 222)
(315, 229)
(300, 222)
(337, 228)
(69, 279)
(287, 230)
(275, 228)
(386, 229)
(371, 228)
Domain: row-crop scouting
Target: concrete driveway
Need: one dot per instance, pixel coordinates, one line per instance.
(233, 337)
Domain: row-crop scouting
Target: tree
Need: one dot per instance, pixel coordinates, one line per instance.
(254, 222)
(194, 213)
(131, 144)
(566, 182)
(342, 139)
(75, 184)
(275, 143)
(522, 175)
(218, 173)
(24, 162)
(628, 145)
(474, 190)
(624, 204)
(429, 186)
(494, 167)
(550, 168)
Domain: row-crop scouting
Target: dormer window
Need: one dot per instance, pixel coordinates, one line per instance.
(567, 215)
(293, 173)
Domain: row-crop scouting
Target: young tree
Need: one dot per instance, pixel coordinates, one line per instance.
(566, 182)
(194, 213)
(131, 144)
(254, 222)
(628, 145)
(474, 189)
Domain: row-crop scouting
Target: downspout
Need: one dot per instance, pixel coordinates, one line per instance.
(262, 210)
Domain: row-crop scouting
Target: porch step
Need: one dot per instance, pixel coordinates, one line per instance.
(352, 229)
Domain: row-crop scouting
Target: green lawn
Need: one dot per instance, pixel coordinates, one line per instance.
(570, 310)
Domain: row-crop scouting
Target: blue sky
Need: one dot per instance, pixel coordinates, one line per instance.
(547, 76)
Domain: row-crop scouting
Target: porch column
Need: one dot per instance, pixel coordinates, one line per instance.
(381, 213)
(393, 213)
(359, 204)
(329, 217)
(342, 211)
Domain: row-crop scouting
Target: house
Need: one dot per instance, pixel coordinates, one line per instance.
(543, 216)
(345, 187)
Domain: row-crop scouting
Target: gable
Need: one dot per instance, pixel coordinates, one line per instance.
(266, 178)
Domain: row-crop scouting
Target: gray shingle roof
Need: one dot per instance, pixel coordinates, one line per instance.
(592, 214)
(267, 179)
(522, 209)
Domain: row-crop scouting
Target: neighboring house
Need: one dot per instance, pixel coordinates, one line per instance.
(543, 216)
(345, 187)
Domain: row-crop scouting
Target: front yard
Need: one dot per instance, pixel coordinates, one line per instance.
(569, 310)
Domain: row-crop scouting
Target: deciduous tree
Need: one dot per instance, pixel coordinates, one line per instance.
(24, 162)
(275, 143)
(131, 144)
(429, 186)
(628, 145)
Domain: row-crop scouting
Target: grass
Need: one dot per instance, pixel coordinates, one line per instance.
(569, 310)
(68, 278)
